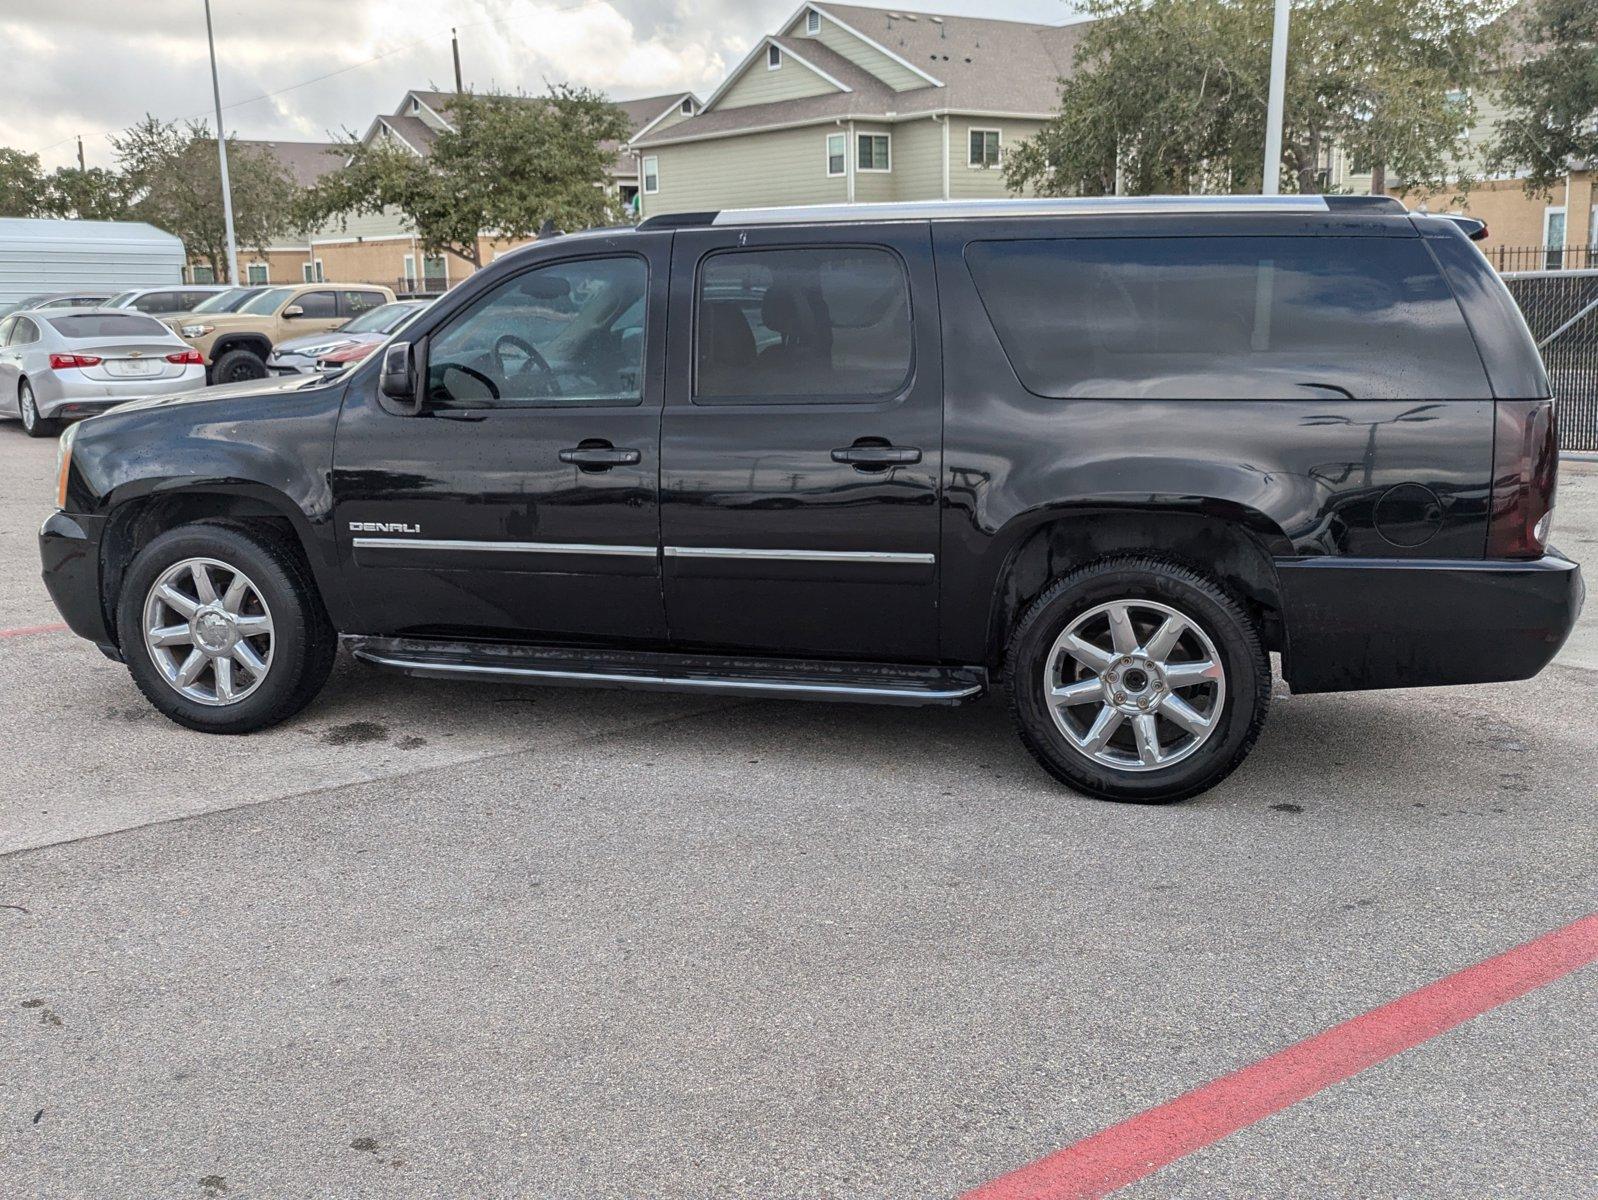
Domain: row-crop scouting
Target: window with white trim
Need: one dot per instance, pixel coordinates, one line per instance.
(651, 170)
(837, 154)
(687, 107)
(773, 56)
(311, 272)
(872, 152)
(984, 148)
(812, 22)
(410, 271)
(1554, 237)
(256, 273)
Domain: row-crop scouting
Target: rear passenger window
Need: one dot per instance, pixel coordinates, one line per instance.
(785, 326)
(355, 303)
(1199, 318)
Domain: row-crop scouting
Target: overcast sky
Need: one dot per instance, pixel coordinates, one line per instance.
(92, 66)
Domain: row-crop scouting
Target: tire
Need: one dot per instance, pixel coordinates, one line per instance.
(238, 366)
(1065, 701)
(28, 408)
(293, 651)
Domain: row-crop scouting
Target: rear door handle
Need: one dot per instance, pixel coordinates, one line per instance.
(600, 458)
(869, 458)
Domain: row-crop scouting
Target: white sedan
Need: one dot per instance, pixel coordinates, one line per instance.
(59, 364)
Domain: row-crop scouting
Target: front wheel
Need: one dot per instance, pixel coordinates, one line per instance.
(222, 628)
(1137, 679)
(32, 423)
(238, 366)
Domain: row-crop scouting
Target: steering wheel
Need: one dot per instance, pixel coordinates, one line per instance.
(493, 388)
(527, 348)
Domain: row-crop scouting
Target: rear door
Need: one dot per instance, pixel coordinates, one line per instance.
(802, 442)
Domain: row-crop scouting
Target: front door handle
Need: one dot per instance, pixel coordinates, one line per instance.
(875, 457)
(600, 456)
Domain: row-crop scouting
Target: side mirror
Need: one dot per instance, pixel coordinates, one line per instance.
(292, 311)
(397, 380)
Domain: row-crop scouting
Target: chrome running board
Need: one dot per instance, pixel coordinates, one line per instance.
(792, 679)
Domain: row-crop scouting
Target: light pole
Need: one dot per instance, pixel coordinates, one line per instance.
(1273, 108)
(221, 154)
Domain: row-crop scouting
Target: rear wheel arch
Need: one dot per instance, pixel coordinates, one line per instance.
(1234, 548)
(136, 521)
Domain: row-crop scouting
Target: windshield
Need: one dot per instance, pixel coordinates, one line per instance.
(122, 301)
(226, 301)
(381, 319)
(267, 302)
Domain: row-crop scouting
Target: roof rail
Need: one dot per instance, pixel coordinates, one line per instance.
(956, 210)
(677, 220)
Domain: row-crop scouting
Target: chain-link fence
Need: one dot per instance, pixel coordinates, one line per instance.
(1561, 308)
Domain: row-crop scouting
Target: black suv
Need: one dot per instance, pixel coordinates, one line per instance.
(1108, 452)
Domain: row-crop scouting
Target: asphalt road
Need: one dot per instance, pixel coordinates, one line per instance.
(434, 940)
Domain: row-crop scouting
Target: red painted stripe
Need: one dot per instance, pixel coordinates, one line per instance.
(25, 630)
(1141, 1145)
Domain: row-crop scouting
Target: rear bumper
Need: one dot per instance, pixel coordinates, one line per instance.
(69, 549)
(1390, 623)
(80, 397)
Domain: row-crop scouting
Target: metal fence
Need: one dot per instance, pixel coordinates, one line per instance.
(1544, 258)
(1561, 307)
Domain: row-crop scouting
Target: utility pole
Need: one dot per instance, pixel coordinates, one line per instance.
(455, 49)
(81, 167)
(1276, 102)
(221, 154)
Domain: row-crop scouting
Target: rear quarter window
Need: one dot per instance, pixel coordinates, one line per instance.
(1269, 318)
(100, 325)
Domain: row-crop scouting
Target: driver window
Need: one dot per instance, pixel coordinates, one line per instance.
(567, 335)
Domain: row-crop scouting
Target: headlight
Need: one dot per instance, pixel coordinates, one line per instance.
(313, 351)
(196, 330)
(63, 464)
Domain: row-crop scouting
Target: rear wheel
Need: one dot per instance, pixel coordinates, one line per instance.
(238, 366)
(32, 423)
(222, 628)
(1138, 679)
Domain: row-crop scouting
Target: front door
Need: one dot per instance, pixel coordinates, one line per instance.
(521, 504)
(801, 443)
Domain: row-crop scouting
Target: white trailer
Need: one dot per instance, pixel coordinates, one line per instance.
(38, 255)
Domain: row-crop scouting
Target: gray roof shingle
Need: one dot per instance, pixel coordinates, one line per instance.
(984, 65)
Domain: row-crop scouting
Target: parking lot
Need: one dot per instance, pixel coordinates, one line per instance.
(443, 940)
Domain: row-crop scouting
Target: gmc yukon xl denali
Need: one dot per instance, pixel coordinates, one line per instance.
(1104, 455)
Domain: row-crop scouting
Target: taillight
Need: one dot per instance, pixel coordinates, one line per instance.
(187, 358)
(61, 362)
(1525, 469)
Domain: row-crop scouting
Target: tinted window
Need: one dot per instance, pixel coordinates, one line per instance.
(566, 334)
(829, 323)
(356, 303)
(161, 302)
(24, 333)
(6, 326)
(317, 305)
(1218, 318)
(227, 301)
(122, 301)
(109, 324)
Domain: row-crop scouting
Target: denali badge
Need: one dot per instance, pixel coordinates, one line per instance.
(383, 527)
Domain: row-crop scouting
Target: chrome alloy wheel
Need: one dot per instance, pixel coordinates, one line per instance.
(1135, 685)
(208, 631)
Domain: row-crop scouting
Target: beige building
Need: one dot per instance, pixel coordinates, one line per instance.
(382, 247)
(845, 103)
(1524, 232)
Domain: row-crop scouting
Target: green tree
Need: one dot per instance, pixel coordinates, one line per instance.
(22, 188)
(174, 181)
(509, 164)
(1170, 95)
(94, 194)
(1550, 95)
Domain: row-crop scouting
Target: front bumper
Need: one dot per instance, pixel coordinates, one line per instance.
(1357, 623)
(69, 548)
